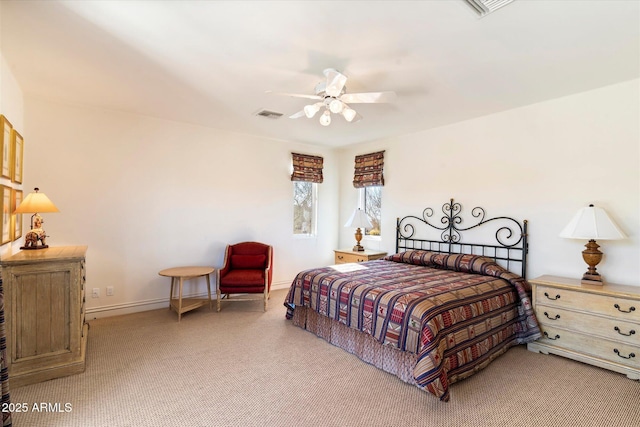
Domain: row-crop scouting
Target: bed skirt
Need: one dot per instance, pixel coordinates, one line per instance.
(362, 345)
(368, 349)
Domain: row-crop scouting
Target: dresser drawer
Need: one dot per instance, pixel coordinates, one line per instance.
(345, 256)
(618, 307)
(342, 258)
(610, 328)
(612, 351)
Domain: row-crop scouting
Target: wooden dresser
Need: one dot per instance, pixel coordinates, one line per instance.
(343, 256)
(44, 311)
(599, 325)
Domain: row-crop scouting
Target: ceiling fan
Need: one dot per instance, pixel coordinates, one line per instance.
(331, 95)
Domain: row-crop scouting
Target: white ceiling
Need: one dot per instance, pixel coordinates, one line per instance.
(211, 62)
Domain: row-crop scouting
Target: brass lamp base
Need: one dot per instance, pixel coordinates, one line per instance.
(592, 256)
(589, 279)
(358, 247)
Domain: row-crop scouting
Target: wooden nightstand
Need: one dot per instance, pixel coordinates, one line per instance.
(343, 256)
(599, 325)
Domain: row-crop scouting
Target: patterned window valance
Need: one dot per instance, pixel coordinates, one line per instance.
(306, 168)
(368, 170)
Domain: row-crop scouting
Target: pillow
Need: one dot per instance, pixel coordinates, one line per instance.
(468, 263)
(465, 263)
(248, 261)
(416, 257)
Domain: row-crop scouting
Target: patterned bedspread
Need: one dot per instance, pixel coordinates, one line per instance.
(453, 311)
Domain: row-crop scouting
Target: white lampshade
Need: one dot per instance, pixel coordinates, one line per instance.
(592, 223)
(311, 110)
(349, 114)
(336, 106)
(325, 118)
(36, 203)
(359, 219)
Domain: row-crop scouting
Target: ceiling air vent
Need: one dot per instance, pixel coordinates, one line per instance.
(485, 7)
(269, 114)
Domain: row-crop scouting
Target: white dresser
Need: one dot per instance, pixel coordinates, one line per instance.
(599, 325)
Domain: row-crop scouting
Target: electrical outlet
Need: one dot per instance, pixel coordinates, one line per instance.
(109, 291)
(95, 293)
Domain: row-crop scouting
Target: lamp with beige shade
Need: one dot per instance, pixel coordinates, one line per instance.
(35, 203)
(359, 219)
(591, 223)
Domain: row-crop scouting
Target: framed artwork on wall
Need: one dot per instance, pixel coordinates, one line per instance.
(5, 147)
(17, 218)
(5, 208)
(17, 144)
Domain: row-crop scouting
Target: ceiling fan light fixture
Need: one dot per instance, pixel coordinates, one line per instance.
(331, 96)
(325, 118)
(349, 114)
(311, 110)
(336, 106)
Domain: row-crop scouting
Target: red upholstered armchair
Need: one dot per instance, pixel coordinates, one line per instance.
(247, 269)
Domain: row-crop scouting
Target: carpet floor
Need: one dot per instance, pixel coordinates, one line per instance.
(244, 367)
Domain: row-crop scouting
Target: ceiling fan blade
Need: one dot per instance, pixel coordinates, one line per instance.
(335, 82)
(368, 97)
(296, 95)
(297, 115)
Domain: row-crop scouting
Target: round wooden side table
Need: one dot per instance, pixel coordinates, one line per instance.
(179, 275)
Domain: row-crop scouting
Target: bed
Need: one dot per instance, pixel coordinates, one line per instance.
(436, 311)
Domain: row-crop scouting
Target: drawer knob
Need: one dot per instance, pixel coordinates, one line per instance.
(340, 257)
(631, 355)
(556, 317)
(552, 299)
(632, 308)
(554, 338)
(631, 332)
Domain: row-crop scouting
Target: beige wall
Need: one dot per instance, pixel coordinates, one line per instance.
(146, 194)
(12, 107)
(541, 162)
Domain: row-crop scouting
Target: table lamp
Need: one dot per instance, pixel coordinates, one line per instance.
(591, 223)
(35, 203)
(359, 219)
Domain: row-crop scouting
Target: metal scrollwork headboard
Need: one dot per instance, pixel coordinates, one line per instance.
(509, 248)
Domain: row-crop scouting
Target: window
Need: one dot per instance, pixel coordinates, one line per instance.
(368, 177)
(304, 208)
(371, 199)
(307, 174)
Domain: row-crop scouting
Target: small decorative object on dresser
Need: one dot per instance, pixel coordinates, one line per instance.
(592, 223)
(359, 219)
(35, 203)
(343, 256)
(599, 325)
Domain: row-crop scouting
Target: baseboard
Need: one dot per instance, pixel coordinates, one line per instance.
(281, 285)
(153, 304)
